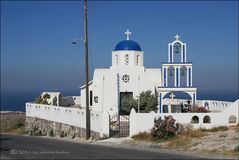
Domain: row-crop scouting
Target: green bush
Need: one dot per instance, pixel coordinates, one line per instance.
(46, 96)
(41, 100)
(147, 102)
(127, 104)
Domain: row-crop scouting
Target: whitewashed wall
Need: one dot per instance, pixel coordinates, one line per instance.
(73, 116)
(215, 106)
(141, 122)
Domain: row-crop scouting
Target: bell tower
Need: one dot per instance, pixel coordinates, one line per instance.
(176, 73)
(177, 66)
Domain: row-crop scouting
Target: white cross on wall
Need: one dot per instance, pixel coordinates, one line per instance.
(172, 96)
(177, 37)
(127, 33)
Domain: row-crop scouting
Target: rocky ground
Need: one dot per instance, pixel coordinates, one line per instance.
(223, 140)
(219, 144)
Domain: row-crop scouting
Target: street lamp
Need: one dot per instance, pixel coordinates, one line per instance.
(138, 100)
(77, 41)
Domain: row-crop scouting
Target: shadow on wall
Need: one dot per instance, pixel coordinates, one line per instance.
(67, 101)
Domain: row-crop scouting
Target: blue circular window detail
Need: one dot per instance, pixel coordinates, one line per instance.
(127, 45)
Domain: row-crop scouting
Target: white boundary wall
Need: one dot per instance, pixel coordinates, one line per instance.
(143, 122)
(72, 116)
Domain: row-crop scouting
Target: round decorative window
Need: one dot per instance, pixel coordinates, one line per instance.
(125, 78)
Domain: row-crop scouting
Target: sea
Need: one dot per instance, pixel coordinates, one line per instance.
(16, 100)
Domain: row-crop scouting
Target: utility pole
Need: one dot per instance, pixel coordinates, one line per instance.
(86, 72)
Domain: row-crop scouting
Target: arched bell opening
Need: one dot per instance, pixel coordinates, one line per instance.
(183, 76)
(171, 76)
(177, 52)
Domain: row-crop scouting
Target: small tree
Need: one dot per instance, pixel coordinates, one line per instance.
(44, 101)
(148, 101)
(41, 100)
(127, 104)
(38, 99)
(46, 96)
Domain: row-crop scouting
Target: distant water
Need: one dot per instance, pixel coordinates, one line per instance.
(15, 100)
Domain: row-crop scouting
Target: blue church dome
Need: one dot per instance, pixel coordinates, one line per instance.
(127, 45)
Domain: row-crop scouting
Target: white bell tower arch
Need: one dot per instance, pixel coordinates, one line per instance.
(177, 47)
(175, 71)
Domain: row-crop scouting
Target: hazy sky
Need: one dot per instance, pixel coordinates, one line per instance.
(37, 53)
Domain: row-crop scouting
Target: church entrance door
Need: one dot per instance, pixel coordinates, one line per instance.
(123, 96)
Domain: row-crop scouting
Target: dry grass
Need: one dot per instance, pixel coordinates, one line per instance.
(12, 123)
(145, 136)
(180, 142)
(235, 127)
(198, 133)
(216, 129)
(142, 136)
(193, 133)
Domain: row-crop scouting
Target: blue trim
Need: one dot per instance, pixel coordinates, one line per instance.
(177, 87)
(170, 53)
(177, 63)
(194, 98)
(160, 103)
(189, 76)
(164, 76)
(177, 77)
(183, 53)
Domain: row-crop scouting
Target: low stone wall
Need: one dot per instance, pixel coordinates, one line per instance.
(37, 126)
(99, 121)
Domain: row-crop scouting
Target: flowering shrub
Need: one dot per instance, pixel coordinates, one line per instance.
(166, 128)
(198, 109)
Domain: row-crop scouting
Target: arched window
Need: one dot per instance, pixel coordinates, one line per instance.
(171, 76)
(137, 59)
(195, 119)
(232, 119)
(126, 59)
(206, 104)
(206, 119)
(117, 59)
(183, 76)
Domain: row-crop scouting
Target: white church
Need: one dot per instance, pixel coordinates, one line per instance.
(127, 76)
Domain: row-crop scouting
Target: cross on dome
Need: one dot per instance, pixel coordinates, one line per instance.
(127, 33)
(177, 37)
